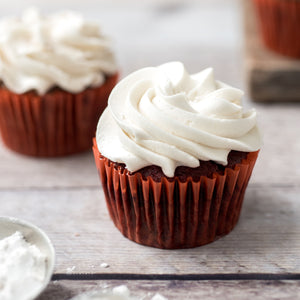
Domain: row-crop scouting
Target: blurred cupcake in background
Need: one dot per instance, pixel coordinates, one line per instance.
(56, 74)
(174, 153)
(279, 22)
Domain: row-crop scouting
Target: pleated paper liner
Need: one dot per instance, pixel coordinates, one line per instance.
(172, 214)
(279, 22)
(57, 123)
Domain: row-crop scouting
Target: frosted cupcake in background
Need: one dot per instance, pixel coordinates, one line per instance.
(175, 153)
(279, 22)
(56, 73)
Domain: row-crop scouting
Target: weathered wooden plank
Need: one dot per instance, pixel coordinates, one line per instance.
(266, 240)
(278, 163)
(208, 290)
(271, 76)
(17, 170)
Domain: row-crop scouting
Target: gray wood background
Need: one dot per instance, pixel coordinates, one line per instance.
(260, 258)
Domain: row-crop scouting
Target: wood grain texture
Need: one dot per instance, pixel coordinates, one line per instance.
(266, 239)
(225, 290)
(271, 76)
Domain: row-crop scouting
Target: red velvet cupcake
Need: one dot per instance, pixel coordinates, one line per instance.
(279, 22)
(57, 73)
(175, 153)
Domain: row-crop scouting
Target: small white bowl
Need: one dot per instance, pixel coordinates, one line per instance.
(34, 236)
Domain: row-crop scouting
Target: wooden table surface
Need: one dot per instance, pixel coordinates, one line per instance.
(260, 259)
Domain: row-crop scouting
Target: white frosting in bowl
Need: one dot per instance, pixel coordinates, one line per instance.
(22, 268)
(27, 259)
(163, 116)
(38, 53)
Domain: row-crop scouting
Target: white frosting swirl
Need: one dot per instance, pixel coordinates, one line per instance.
(163, 116)
(38, 53)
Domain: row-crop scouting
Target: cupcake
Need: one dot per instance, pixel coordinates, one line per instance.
(279, 22)
(56, 74)
(174, 154)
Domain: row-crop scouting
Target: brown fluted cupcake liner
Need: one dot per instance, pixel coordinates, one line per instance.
(279, 22)
(172, 214)
(57, 123)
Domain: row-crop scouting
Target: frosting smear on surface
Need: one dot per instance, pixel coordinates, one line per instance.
(120, 292)
(166, 117)
(40, 52)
